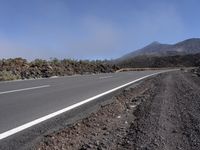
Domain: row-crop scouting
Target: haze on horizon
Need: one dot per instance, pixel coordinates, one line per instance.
(92, 29)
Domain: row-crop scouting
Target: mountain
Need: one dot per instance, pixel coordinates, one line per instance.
(189, 46)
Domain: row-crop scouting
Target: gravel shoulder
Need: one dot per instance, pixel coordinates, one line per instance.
(160, 113)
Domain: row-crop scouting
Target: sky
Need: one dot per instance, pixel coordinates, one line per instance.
(92, 29)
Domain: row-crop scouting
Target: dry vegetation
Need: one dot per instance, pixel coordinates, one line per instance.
(18, 68)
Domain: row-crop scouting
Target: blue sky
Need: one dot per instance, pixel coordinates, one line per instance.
(92, 29)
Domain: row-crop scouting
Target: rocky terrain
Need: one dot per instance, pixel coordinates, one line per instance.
(196, 71)
(18, 68)
(161, 113)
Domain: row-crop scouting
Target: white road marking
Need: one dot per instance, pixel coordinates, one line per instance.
(105, 77)
(25, 89)
(44, 118)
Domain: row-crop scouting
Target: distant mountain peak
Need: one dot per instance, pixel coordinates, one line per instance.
(154, 43)
(188, 46)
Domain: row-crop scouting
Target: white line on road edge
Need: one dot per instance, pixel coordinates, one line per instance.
(39, 120)
(25, 89)
(105, 77)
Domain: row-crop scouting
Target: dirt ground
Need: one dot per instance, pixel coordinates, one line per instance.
(162, 113)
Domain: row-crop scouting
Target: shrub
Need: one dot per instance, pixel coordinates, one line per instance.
(8, 75)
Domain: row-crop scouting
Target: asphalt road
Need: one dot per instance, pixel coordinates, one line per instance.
(24, 101)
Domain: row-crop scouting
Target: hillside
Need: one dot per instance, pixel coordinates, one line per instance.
(189, 46)
(144, 61)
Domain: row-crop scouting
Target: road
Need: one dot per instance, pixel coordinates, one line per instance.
(23, 102)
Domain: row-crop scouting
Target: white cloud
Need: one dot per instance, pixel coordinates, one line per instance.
(100, 39)
(160, 21)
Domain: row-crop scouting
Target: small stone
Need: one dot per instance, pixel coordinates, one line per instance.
(104, 128)
(133, 106)
(106, 133)
(97, 143)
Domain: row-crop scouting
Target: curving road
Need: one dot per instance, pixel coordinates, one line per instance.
(26, 103)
